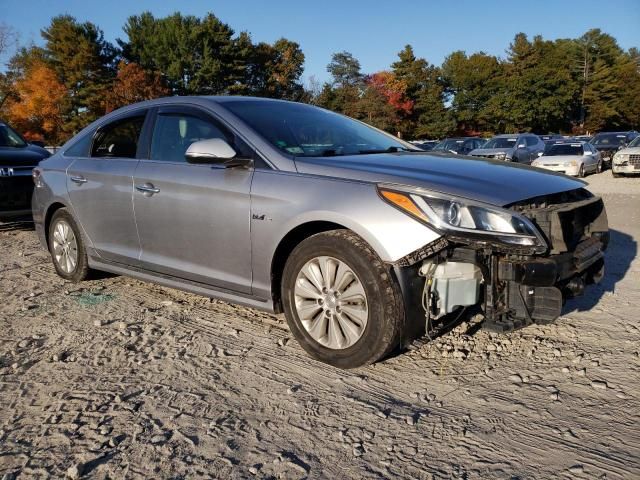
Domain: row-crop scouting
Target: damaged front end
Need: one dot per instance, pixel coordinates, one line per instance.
(519, 270)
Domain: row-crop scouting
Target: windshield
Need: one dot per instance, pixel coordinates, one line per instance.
(563, 149)
(501, 142)
(307, 131)
(449, 144)
(9, 137)
(613, 139)
(635, 142)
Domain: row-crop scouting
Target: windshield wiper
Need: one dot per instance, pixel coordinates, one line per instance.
(391, 149)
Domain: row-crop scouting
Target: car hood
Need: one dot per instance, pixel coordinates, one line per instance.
(606, 147)
(490, 181)
(630, 150)
(22, 156)
(491, 151)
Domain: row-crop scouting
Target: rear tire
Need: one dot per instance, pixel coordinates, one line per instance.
(67, 248)
(341, 258)
(599, 167)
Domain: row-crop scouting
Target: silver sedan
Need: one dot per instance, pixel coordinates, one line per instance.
(362, 240)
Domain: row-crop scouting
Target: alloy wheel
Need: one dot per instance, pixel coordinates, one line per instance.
(65, 247)
(331, 302)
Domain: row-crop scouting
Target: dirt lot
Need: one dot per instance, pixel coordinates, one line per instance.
(115, 378)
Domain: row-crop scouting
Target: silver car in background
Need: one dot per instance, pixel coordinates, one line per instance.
(520, 148)
(363, 241)
(571, 158)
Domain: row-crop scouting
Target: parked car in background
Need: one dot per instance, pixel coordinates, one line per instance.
(608, 143)
(425, 145)
(361, 239)
(582, 138)
(551, 137)
(627, 160)
(521, 148)
(459, 145)
(17, 159)
(571, 158)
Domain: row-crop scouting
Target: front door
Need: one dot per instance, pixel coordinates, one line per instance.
(100, 186)
(193, 219)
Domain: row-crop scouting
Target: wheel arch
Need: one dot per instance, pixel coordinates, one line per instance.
(51, 210)
(290, 241)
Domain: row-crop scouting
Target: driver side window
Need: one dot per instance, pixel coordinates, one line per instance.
(174, 133)
(531, 141)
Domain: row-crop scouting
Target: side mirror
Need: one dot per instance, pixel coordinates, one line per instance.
(215, 151)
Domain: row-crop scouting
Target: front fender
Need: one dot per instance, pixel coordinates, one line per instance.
(283, 201)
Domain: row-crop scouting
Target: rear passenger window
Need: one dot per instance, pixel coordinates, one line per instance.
(173, 133)
(118, 139)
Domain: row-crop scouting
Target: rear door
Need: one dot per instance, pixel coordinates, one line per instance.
(193, 219)
(100, 186)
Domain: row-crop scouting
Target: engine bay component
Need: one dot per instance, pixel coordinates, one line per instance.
(449, 285)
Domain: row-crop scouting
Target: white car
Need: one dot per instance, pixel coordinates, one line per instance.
(627, 160)
(571, 158)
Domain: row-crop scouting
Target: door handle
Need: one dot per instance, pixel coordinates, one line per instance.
(78, 179)
(148, 189)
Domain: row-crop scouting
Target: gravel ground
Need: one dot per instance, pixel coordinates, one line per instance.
(115, 378)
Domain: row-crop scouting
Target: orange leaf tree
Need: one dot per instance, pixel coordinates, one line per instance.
(134, 84)
(37, 107)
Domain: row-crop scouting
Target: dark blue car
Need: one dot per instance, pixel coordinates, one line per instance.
(17, 159)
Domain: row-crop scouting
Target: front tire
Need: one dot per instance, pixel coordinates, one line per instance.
(341, 301)
(616, 175)
(67, 248)
(581, 172)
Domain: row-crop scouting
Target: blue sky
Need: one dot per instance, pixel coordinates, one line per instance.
(373, 31)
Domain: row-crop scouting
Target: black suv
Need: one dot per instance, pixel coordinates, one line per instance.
(17, 159)
(608, 143)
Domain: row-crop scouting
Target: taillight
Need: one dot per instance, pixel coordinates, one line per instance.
(36, 174)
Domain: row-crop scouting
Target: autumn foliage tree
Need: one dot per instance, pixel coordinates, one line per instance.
(134, 84)
(37, 110)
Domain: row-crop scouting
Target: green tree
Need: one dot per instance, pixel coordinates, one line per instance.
(275, 70)
(196, 56)
(429, 117)
(347, 85)
(471, 82)
(538, 88)
(85, 64)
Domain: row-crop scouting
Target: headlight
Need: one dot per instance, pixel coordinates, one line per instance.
(620, 158)
(465, 219)
(571, 163)
(500, 156)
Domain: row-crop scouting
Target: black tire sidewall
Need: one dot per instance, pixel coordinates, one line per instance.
(81, 270)
(376, 339)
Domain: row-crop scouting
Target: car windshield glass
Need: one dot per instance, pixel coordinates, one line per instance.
(612, 139)
(635, 142)
(563, 149)
(307, 131)
(9, 137)
(501, 142)
(449, 144)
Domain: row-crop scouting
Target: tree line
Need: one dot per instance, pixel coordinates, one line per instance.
(50, 92)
